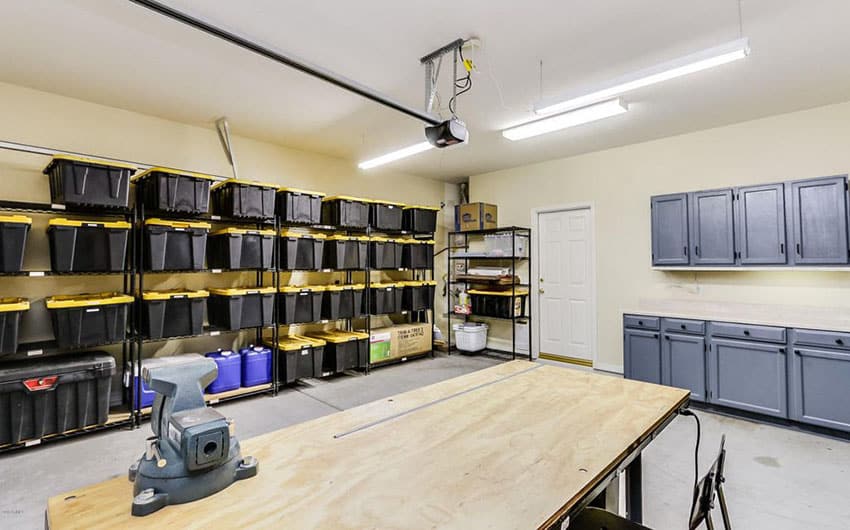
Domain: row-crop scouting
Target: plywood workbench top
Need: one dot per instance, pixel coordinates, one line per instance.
(510, 446)
(785, 316)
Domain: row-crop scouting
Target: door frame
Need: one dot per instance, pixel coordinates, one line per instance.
(535, 274)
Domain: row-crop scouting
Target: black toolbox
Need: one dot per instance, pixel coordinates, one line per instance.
(300, 304)
(498, 304)
(417, 295)
(301, 357)
(175, 245)
(240, 308)
(240, 248)
(13, 241)
(85, 320)
(420, 219)
(11, 310)
(345, 252)
(173, 190)
(344, 350)
(345, 212)
(384, 298)
(417, 253)
(86, 182)
(243, 198)
(299, 206)
(342, 301)
(51, 396)
(386, 215)
(87, 246)
(301, 251)
(384, 253)
(173, 313)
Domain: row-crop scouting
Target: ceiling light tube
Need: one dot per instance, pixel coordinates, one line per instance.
(598, 111)
(395, 155)
(695, 62)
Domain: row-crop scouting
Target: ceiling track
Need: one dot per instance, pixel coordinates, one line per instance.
(288, 60)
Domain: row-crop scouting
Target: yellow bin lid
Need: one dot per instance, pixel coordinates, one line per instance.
(519, 292)
(241, 291)
(283, 189)
(172, 171)
(347, 198)
(418, 207)
(178, 224)
(315, 342)
(245, 182)
(19, 219)
(232, 230)
(301, 288)
(389, 203)
(293, 233)
(345, 286)
(85, 160)
(14, 304)
(174, 293)
(288, 343)
(344, 237)
(64, 301)
(59, 221)
(383, 285)
(335, 336)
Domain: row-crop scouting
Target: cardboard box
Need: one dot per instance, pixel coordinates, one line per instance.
(404, 340)
(476, 216)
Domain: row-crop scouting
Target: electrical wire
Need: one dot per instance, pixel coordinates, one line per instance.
(464, 84)
(688, 412)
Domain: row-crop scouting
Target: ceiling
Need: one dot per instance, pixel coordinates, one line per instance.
(121, 55)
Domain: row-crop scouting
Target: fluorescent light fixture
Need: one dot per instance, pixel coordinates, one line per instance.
(594, 112)
(725, 53)
(395, 155)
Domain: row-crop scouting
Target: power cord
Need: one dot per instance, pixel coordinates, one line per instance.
(462, 83)
(689, 412)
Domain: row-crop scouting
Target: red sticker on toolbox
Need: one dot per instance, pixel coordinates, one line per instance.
(42, 383)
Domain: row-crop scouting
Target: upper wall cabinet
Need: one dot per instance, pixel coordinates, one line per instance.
(819, 220)
(670, 229)
(712, 234)
(760, 224)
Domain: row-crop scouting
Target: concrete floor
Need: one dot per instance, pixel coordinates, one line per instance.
(777, 478)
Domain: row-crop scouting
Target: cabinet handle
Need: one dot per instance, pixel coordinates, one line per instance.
(839, 342)
(685, 250)
(640, 322)
(747, 332)
(798, 249)
(797, 352)
(781, 350)
(684, 326)
(696, 250)
(655, 335)
(667, 337)
(782, 248)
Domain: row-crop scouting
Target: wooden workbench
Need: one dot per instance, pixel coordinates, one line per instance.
(518, 445)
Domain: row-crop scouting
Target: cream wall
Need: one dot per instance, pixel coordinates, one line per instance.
(44, 119)
(620, 181)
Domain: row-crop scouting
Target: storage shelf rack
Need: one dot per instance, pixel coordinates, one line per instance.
(515, 232)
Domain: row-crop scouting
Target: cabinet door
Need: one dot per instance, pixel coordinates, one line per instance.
(819, 220)
(760, 225)
(683, 363)
(642, 355)
(712, 234)
(670, 229)
(820, 386)
(748, 376)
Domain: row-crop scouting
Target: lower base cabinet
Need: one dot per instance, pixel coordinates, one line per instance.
(820, 387)
(642, 355)
(683, 363)
(748, 375)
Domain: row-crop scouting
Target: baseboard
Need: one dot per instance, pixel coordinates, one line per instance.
(505, 345)
(608, 367)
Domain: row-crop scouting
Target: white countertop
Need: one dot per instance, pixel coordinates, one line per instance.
(821, 318)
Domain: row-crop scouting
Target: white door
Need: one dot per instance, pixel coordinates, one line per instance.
(566, 290)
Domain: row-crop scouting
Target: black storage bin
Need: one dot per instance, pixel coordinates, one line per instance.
(342, 301)
(299, 206)
(345, 252)
(386, 215)
(384, 298)
(13, 241)
(300, 357)
(173, 313)
(417, 295)
(50, 396)
(300, 305)
(417, 253)
(175, 245)
(299, 251)
(172, 190)
(86, 182)
(233, 309)
(11, 310)
(242, 198)
(239, 248)
(499, 304)
(420, 219)
(84, 320)
(87, 246)
(345, 212)
(384, 253)
(344, 350)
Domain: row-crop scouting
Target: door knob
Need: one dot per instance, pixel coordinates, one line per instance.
(541, 290)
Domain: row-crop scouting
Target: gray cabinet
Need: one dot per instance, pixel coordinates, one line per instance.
(760, 225)
(748, 375)
(683, 363)
(670, 229)
(712, 233)
(820, 378)
(819, 220)
(642, 355)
